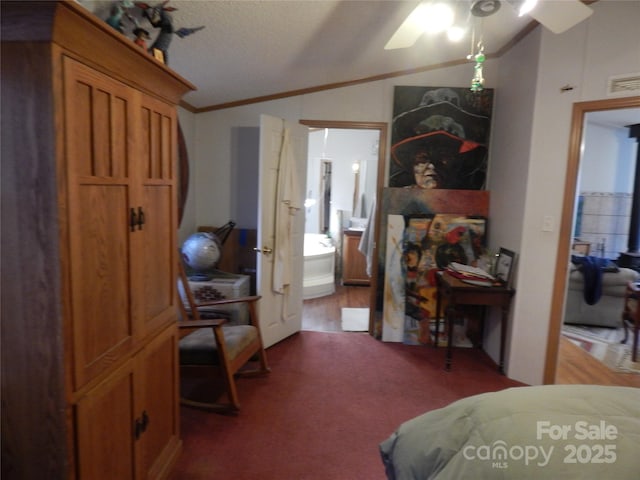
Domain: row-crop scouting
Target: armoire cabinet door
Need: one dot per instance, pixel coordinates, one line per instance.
(156, 396)
(154, 266)
(100, 168)
(106, 428)
(127, 426)
(122, 216)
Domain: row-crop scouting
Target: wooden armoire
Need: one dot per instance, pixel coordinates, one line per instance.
(89, 221)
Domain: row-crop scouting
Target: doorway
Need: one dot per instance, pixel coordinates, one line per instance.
(343, 295)
(580, 110)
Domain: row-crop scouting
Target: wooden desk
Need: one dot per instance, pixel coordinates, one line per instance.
(459, 293)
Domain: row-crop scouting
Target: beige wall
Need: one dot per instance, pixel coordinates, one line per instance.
(528, 154)
(585, 57)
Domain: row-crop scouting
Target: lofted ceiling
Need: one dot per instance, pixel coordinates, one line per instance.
(251, 49)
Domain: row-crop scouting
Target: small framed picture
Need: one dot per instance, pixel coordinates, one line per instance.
(504, 266)
(158, 55)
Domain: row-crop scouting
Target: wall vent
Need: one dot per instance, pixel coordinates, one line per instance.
(624, 84)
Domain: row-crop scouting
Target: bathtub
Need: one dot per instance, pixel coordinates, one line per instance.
(319, 265)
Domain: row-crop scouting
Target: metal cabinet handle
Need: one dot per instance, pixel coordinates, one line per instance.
(141, 218)
(140, 425)
(265, 250)
(133, 220)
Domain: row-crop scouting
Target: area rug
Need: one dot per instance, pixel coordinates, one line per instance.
(604, 345)
(355, 319)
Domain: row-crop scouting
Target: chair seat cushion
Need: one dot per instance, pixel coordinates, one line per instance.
(200, 348)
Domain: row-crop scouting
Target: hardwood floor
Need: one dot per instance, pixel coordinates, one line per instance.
(575, 366)
(324, 314)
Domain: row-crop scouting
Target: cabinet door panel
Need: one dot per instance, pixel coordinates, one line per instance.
(157, 393)
(155, 266)
(354, 263)
(158, 272)
(99, 150)
(100, 279)
(98, 109)
(105, 429)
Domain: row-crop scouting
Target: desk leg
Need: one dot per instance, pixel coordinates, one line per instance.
(448, 322)
(438, 308)
(503, 337)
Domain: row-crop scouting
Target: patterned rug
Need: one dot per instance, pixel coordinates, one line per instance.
(604, 345)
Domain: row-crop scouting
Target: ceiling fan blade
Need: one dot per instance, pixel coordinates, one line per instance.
(560, 16)
(408, 32)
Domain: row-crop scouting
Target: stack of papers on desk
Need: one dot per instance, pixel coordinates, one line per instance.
(471, 275)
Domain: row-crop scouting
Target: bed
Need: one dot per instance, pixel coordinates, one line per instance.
(550, 431)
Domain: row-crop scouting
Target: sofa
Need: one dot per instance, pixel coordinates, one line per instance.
(606, 311)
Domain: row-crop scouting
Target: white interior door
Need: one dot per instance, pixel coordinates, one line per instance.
(280, 311)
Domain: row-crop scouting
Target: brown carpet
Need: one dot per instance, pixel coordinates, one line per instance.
(330, 399)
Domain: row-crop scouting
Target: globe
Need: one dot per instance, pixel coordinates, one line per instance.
(201, 251)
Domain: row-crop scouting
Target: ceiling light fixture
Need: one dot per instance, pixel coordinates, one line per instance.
(435, 17)
(455, 33)
(484, 8)
(523, 6)
(477, 82)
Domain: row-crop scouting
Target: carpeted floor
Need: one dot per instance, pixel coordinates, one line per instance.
(321, 413)
(604, 345)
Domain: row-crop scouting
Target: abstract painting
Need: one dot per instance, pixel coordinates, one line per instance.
(434, 221)
(426, 245)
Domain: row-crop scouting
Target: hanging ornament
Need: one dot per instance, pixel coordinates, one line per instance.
(477, 82)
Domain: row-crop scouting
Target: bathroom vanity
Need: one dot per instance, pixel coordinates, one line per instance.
(354, 263)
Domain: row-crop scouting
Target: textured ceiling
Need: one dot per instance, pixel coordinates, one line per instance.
(251, 49)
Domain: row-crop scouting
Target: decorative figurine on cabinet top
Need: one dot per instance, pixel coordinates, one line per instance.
(117, 11)
(159, 17)
(141, 35)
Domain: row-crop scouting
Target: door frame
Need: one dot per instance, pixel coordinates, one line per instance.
(324, 165)
(382, 128)
(580, 109)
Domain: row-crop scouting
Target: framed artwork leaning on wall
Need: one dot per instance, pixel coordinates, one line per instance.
(504, 266)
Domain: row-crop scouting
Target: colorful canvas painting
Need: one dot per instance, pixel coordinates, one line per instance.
(392, 328)
(424, 218)
(440, 138)
(430, 243)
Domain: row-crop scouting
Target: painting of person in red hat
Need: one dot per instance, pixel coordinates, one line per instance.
(440, 138)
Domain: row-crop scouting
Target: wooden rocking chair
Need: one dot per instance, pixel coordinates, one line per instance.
(205, 343)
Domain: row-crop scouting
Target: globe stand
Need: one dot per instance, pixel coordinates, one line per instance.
(200, 277)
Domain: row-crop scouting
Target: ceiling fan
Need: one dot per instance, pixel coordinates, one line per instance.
(557, 16)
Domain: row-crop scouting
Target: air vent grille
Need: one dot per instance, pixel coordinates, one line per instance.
(624, 83)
